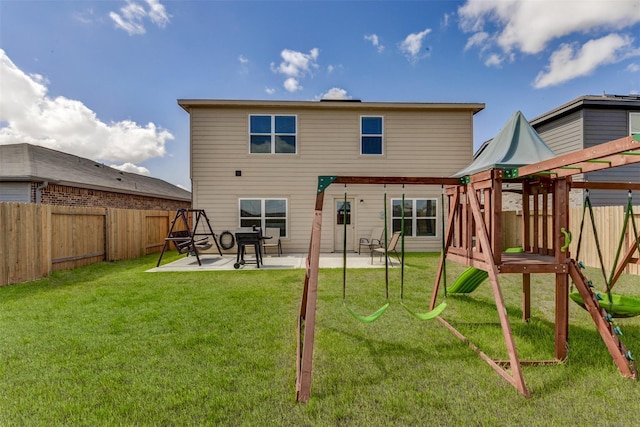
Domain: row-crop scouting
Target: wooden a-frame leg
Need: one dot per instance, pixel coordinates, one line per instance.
(516, 377)
(307, 317)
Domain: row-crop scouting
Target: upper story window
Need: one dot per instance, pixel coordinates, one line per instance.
(419, 217)
(371, 135)
(634, 123)
(272, 134)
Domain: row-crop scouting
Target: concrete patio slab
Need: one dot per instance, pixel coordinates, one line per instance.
(215, 262)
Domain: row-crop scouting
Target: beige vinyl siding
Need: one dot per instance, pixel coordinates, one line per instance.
(416, 143)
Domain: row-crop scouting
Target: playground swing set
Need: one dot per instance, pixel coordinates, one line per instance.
(473, 237)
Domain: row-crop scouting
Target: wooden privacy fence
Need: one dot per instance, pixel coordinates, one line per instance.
(609, 222)
(37, 239)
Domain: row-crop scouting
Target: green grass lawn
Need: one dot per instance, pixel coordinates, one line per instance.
(110, 344)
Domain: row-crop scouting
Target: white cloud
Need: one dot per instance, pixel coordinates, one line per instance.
(29, 115)
(375, 41)
(530, 26)
(493, 60)
(412, 45)
(292, 85)
(243, 59)
(130, 167)
(633, 67)
(569, 62)
(335, 93)
(270, 90)
(131, 17)
(297, 64)
(478, 39)
(446, 19)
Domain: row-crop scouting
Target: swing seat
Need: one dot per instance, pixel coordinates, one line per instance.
(618, 306)
(182, 241)
(428, 315)
(370, 318)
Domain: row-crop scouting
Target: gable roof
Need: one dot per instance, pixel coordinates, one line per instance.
(189, 104)
(516, 144)
(26, 162)
(604, 101)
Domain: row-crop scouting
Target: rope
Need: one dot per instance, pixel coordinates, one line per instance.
(627, 213)
(421, 316)
(588, 206)
(370, 318)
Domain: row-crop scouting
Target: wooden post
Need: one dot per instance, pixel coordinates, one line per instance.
(526, 297)
(526, 230)
(560, 224)
(307, 317)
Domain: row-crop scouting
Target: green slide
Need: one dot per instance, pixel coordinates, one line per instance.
(468, 281)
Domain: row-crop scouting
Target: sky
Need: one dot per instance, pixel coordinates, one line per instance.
(101, 79)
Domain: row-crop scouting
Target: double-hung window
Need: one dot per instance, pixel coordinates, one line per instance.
(419, 217)
(264, 213)
(371, 135)
(634, 123)
(272, 134)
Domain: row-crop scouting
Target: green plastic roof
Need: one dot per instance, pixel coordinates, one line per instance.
(517, 144)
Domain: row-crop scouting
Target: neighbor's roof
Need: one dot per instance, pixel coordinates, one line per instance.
(26, 162)
(349, 104)
(604, 101)
(517, 144)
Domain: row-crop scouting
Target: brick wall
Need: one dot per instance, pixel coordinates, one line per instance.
(62, 195)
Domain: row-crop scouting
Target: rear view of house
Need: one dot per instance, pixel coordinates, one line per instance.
(257, 163)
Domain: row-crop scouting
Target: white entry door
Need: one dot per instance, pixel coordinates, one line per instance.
(343, 215)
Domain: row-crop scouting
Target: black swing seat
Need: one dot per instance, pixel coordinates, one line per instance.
(182, 241)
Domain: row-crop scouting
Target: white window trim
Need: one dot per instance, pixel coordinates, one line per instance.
(273, 133)
(414, 218)
(381, 135)
(262, 210)
(637, 116)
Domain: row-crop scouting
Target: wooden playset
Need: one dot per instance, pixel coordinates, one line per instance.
(473, 237)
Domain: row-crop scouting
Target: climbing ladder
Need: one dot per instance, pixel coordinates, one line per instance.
(604, 323)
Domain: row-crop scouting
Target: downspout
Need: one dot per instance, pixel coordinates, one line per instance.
(39, 188)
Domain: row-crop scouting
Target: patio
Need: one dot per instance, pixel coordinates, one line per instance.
(215, 262)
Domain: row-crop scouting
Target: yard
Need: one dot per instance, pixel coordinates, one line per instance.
(109, 344)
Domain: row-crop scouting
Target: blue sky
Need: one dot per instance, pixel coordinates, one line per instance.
(100, 79)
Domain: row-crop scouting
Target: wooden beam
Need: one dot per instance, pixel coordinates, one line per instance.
(409, 180)
(606, 185)
(600, 151)
(627, 258)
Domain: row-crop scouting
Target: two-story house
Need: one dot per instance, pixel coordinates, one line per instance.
(591, 120)
(257, 163)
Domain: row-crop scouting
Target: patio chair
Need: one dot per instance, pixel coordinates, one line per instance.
(391, 248)
(271, 239)
(373, 241)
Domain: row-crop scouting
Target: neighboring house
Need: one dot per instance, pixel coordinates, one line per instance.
(34, 174)
(256, 163)
(590, 120)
